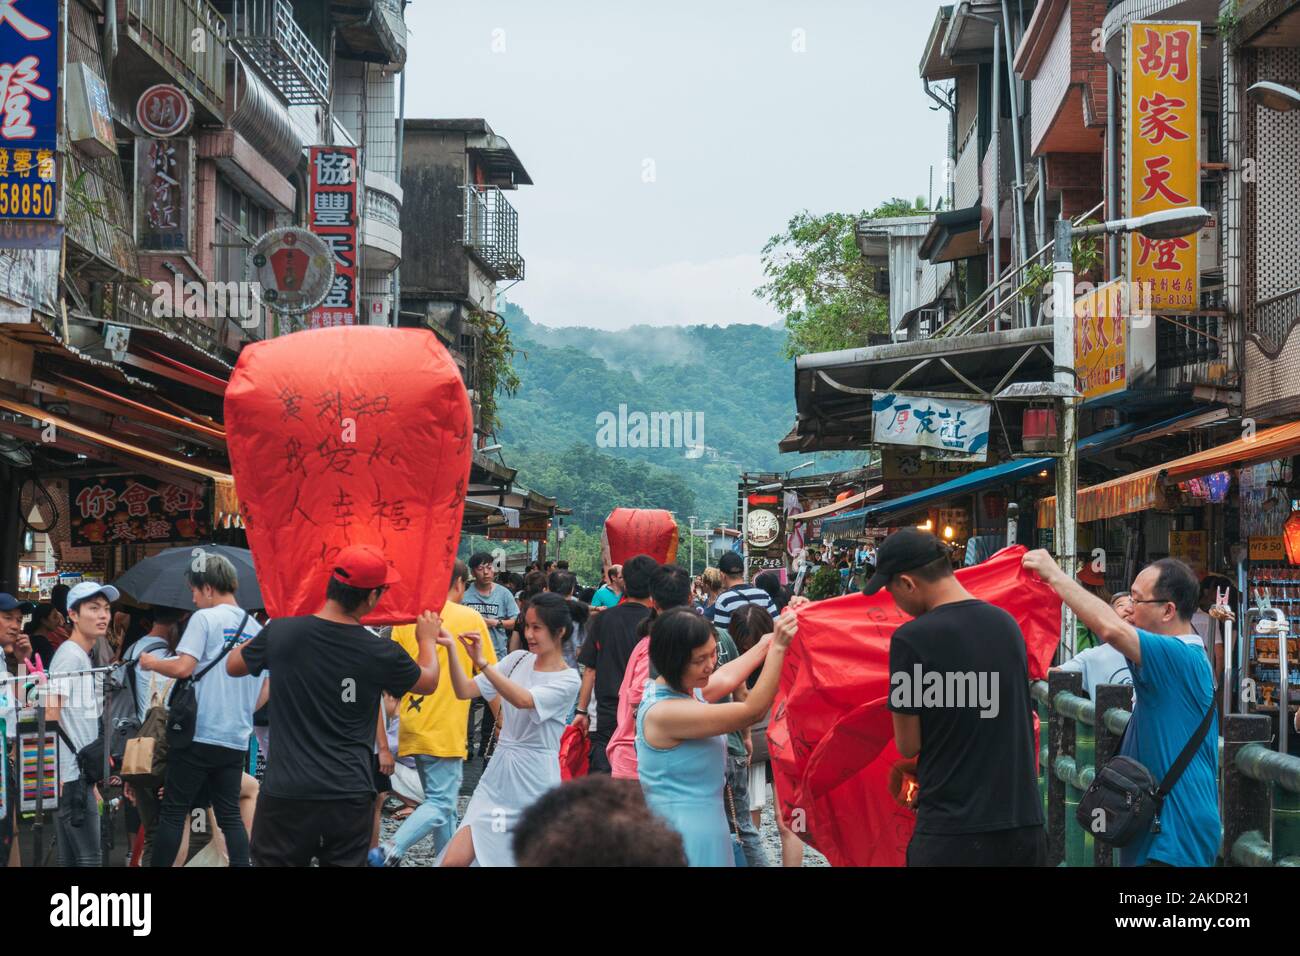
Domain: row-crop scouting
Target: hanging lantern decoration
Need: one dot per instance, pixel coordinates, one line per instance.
(1039, 432)
(1291, 537)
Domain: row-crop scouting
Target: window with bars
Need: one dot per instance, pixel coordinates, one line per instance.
(239, 222)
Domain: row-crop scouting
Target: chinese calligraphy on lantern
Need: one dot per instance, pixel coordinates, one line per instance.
(332, 206)
(1162, 137)
(946, 425)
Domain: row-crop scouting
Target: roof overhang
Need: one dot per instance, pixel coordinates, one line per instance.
(953, 235)
(833, 390)
(934, 65)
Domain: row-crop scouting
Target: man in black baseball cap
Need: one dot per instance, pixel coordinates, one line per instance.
(907, 550)
(959, 697)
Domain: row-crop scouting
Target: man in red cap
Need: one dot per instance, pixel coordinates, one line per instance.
(317, 799)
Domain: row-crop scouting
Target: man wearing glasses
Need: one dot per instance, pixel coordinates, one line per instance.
(1173, 687)
(317, 799)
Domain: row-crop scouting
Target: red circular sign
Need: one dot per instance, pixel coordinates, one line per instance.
(163, 110)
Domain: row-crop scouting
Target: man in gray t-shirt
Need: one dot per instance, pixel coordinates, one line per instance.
(495, 603)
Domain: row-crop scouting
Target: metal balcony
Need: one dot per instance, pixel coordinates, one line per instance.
(492, 232)
(267, 34)
(169, 31)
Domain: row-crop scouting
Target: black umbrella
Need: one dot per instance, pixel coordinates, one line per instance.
(160, 580)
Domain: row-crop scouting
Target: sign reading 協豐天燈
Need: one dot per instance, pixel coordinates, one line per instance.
(943, 424)
(332, 212)
(29, 74)
(1162, 130)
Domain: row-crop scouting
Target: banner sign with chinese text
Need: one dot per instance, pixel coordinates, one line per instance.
(29, 74)
(1162, 141)
(943, 424)
(134, 508)
(164, 190)
(332, 208)
(903, 472)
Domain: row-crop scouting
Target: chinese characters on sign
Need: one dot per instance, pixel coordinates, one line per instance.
(134, 509)
(29, 87)
(164, 177)
(163, 110)
(947, 425)
(1162, 137)
(1099, 341)
(332, 207)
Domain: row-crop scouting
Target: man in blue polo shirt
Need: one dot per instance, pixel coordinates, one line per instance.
(1173, 687)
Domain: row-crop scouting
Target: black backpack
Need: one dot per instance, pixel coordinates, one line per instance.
(183, 712)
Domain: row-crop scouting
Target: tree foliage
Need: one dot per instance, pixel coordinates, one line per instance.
(819, 281)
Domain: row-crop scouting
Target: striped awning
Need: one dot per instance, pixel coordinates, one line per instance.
(1146, 489)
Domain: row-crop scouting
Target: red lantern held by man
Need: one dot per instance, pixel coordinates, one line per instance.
(351, 435)
(633, 531)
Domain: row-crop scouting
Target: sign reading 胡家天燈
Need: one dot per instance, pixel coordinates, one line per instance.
(947, 424)
(1162, 133)
(332, 212)
(29, 80)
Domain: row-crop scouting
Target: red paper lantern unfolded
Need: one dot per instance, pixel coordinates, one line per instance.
(350, 435)
(633, 531)
(1291, 537)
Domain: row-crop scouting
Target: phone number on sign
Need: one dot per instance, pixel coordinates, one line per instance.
(27, 199)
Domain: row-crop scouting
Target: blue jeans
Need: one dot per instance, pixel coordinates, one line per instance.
(440, 777)
(750, 841)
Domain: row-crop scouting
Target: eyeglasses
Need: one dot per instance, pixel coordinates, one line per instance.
(1151, 601)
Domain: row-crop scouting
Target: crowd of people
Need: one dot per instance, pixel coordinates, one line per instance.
(355, 716)
(669, 680)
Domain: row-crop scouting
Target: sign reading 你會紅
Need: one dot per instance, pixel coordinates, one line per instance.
(29, 81)
(332, 216)
(1162, 135)
(134, 509)
(948, 425)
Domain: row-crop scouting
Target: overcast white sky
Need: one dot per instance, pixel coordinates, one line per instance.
(711, 97)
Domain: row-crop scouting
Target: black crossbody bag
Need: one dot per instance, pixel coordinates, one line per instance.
(1123, 802)
(183, 711)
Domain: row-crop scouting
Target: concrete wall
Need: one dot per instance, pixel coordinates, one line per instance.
(434, 263)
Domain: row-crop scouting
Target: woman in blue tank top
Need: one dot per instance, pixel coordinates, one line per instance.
(681, 742)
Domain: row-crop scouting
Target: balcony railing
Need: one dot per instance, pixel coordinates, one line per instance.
(1271, 320)
(170, 31)
(279, 49)
(492, 231)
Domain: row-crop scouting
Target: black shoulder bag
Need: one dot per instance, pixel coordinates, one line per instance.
(1123, 802)
(183, 711)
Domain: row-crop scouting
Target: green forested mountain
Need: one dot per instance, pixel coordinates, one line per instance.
(731, 388)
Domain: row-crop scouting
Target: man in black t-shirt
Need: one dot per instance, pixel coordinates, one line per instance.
(605, 652)
(317, 798)
(959, 694)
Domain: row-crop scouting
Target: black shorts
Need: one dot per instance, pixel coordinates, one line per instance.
(291, 832)
(1022, 846)
(383, 782)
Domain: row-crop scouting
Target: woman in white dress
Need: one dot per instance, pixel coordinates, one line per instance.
(537, 691)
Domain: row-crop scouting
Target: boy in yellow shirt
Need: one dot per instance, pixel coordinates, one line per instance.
(433, 730)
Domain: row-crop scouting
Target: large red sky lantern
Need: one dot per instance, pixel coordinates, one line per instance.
(839, 779)
(633, 531)
(350, 435)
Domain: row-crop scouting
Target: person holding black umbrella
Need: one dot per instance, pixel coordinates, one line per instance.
(224, 718)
